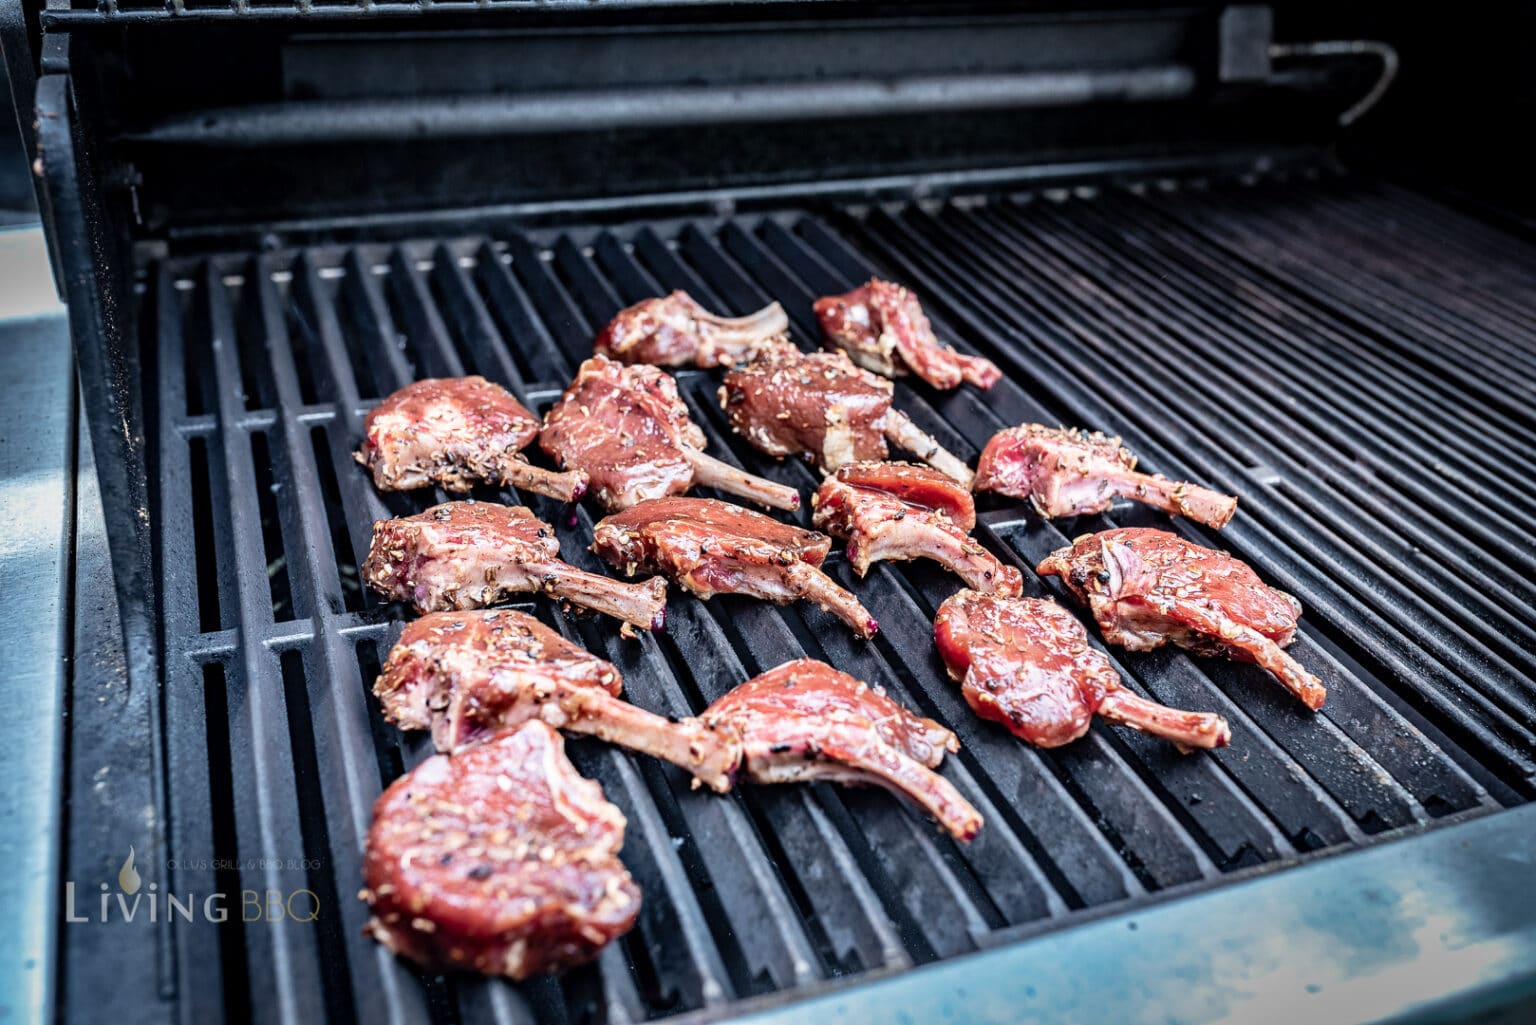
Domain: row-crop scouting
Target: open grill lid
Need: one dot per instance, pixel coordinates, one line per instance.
(268, 122)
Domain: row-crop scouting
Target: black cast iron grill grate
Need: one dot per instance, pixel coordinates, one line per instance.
(1309, 347)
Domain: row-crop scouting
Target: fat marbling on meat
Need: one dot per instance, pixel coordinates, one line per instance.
(675, 331)
(1148, 587)
(821, 406)
(1027, 663)
(710, 547)
(1066, 472)
(464, 675)
(628, 430)
(466, 555)
(900, 511)
(883, 328)
(454, 432)
(500, 859)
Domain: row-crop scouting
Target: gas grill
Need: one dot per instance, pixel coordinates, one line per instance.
(265, 217)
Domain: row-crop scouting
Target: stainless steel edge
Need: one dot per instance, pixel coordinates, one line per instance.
(37, 454)
(1438, 927)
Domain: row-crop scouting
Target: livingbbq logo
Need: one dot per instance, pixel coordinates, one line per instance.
(135, 900)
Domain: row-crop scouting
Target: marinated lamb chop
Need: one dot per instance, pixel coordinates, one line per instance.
(465, 674)
(500, 859)
(1072, 473)
(629, 431)
(1027, 663)
(806, 721)
(675, 331)
(712, 548)
(1148, 587)
(465, 555)
(899, 511)
(822, 406)
(453, 432)
(883, 328)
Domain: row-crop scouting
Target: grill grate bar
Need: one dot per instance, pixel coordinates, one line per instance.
(1050, 538)
(283, 959)
(804, 262)
(338, 705)
(1287, 260)
(1460, 689)
(472, 325)
(877, 947)
(421, 320)
(1425, 391)
(1388, 432)
(1439, 316)
(1339, 441)
(189, 759)
(1513, 638)
(1501, 301)
(776, 889)
(588, 290)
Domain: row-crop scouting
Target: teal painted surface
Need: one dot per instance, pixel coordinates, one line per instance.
(1430, 928)
(37, 431)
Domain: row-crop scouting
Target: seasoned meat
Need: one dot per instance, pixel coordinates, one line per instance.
(712, 547)
(675, 331)
(1148, 587)
(883, 328)
(628, 430)
(806, 721)
(1027, 663)
(500, 859)
(465, 555)
(898, 511)
(822, 406)
(1073, 473)
(453, 432)
(465, 674)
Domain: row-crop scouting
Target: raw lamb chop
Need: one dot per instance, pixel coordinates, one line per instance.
(883, 328)
(464, 674)
(464, 555)
(712, 547)
(822, 406)
(453, 432)
(675, 331)
(1073, 473)
(806, 721)
(1027, 663)
(1148, 587)
(900, 511)
(629, 431)
(500, 859)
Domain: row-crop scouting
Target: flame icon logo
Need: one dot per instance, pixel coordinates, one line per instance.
(128, 876)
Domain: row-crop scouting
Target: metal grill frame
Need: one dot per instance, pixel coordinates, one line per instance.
(894, 904)
(271, 333)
